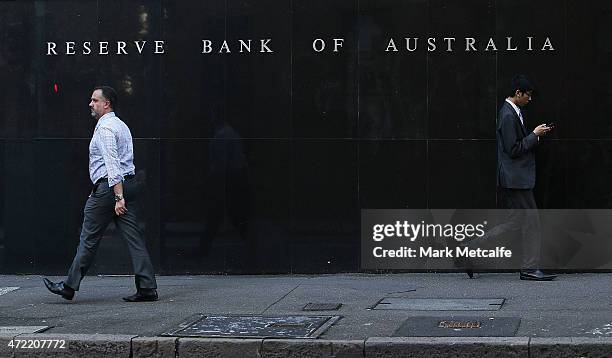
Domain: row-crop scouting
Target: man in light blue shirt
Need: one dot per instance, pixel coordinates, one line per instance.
(111, 169)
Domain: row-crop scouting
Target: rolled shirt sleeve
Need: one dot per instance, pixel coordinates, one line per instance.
(108, 149)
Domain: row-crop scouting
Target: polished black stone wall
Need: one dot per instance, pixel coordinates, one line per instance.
(261, 162)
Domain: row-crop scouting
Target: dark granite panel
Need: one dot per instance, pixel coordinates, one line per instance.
(552, 158)
(393, 79)
(324, 84)
(461, 78)
(324, 205)
(194, 83)
(265, 208)
(589, 174)
(545, 68)
(3, 193)
(135, 75)
(60, 199)
(18, 253)
(17, 65)
(457, 179)
(254, 112)
(392, 174)
(184, 167)
(588, 70)
(64, 82)
(224, 204)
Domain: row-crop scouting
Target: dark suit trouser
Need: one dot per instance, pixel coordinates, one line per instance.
(523, 220)
(98, 213)
(524, 216)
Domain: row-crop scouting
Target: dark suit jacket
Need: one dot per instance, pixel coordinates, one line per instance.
(516, 164)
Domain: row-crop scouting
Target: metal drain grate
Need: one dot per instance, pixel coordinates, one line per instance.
(437, 304)
(456, 326)
(251, 326)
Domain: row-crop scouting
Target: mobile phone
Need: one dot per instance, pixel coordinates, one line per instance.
(551, 125)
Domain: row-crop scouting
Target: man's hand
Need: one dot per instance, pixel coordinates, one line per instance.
(541, 130)
(120, 208)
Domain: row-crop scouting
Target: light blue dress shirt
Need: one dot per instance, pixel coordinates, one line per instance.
(111, 152)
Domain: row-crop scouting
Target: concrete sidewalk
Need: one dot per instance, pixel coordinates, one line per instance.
(571, 316)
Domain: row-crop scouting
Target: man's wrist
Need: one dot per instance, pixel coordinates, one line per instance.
(118, 197)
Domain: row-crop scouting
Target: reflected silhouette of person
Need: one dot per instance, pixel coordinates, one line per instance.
(227, 186)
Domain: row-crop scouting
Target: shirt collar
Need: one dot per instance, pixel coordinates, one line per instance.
(107, 115)
(516, 109)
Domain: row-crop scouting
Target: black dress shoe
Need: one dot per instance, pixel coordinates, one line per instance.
(466, 264)
(142, 296)
(536, 275)
(59, 289)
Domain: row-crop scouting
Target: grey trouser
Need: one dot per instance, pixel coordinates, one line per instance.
(99, 211)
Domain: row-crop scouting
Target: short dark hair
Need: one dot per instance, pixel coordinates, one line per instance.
(519, 83)
(109, 93)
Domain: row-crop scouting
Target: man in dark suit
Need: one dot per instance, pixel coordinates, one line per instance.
(516, 174)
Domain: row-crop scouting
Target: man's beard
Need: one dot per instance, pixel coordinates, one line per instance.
(94, 114)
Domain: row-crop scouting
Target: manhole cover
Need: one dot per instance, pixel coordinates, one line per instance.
(22, 329)
(437, 304)
(249, 326)
(322, 307)
(458, 327)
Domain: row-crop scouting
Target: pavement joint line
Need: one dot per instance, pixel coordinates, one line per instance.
(529, 347)
(280, 299)
(372, 307)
